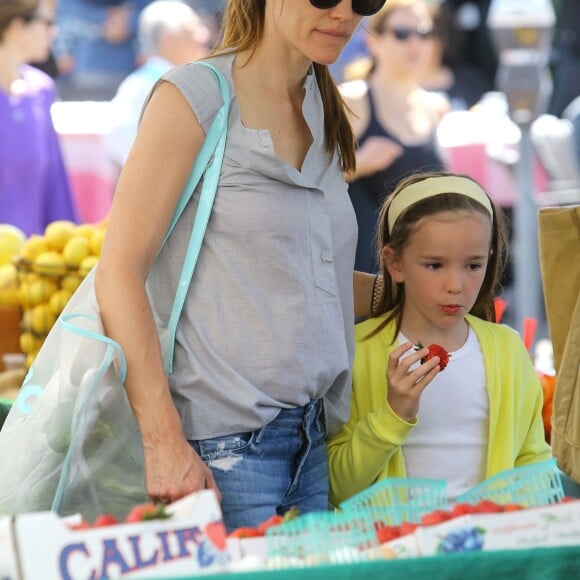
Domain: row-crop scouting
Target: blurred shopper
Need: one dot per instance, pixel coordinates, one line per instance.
(446, 69)
(565, 56)
(394, 118)
(96, 46)
(34, 186)
(170, 33)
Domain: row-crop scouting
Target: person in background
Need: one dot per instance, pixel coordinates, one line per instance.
(394, 119)
(170, 33)
(264, 347)
(48, 64)
(446, 70)
(34, 185)
(96, 46)
(565, 58)
(461, 418)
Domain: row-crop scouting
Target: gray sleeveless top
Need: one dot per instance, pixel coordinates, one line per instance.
(268, 320)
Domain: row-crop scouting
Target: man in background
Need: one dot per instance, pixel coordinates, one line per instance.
(170, 32)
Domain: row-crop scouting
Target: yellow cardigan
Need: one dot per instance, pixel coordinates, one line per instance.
(368, 447)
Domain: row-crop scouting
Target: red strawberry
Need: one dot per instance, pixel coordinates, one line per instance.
(486, 506)
(436, 517)
(105, 520)
(216, 532)
(407, 528)
(147, 511)
(461, 509)
(245, 532)
(388, 533)
(435, 350)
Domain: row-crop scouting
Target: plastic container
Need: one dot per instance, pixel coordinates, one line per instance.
(532, 485)
(399, 499)
(321, 538)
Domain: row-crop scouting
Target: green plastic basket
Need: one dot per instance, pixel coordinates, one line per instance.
(321, 538)
(394, 500)
(531, 485)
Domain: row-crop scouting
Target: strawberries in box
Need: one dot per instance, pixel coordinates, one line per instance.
(191, 541)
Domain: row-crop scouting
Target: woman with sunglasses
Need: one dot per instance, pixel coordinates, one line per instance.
(34, 187)
(264, 346)
(393, 118)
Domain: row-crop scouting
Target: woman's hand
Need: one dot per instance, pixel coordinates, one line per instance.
(173, 471)
(406, 386)
(376, 154)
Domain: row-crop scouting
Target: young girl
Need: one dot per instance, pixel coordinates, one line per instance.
(442, 250)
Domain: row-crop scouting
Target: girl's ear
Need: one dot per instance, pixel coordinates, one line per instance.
(392, 262)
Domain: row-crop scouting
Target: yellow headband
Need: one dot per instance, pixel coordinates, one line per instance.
(436, 186)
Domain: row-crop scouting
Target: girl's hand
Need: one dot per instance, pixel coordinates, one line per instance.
(406, 386)
(174, 471)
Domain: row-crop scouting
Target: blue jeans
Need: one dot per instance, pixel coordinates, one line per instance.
(268, 471)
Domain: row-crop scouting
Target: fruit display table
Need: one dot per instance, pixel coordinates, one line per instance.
(537, 564)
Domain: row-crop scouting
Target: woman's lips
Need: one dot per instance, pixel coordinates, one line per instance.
(451, 309)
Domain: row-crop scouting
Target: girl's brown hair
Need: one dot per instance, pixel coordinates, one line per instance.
(12, 9)
(243, 30)
(393, 298)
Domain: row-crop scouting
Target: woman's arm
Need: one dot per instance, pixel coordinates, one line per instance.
(147, 193)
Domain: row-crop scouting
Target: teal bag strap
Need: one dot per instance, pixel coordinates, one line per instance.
(215, 143)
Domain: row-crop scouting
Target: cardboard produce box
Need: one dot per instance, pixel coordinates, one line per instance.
(541, 527)
(191, 542)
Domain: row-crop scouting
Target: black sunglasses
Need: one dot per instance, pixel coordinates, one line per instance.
(402, 33)
(48, 21)
(361, 7)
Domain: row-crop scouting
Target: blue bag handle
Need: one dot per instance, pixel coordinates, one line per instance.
(215, 142)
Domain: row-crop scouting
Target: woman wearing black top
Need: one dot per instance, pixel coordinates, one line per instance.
(394, 119)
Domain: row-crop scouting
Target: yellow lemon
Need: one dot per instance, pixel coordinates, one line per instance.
(32, 247)
(75, 251)
(57, 234)
(8, 285)
(30, 359)
(97, 241)
(37, 291)
(50, 263)
(87, 265)
(11, 241)
(70, 282)
(85, 230)
(41, 319)
(58, 300)
(29, 343)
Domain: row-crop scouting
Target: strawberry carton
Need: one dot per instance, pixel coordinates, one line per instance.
(549, 526)
(190, 540)
(8, 558)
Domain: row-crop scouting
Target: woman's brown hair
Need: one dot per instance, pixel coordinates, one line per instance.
(12, 9)
(243, 29)
(393, 298)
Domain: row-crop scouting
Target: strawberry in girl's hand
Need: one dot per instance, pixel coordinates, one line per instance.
(435, 350)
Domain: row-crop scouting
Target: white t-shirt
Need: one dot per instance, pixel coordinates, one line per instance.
(450, 439)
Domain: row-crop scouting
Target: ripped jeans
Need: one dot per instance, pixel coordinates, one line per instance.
(268, 471)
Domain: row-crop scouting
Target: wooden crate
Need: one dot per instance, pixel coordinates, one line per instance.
(9, 331)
